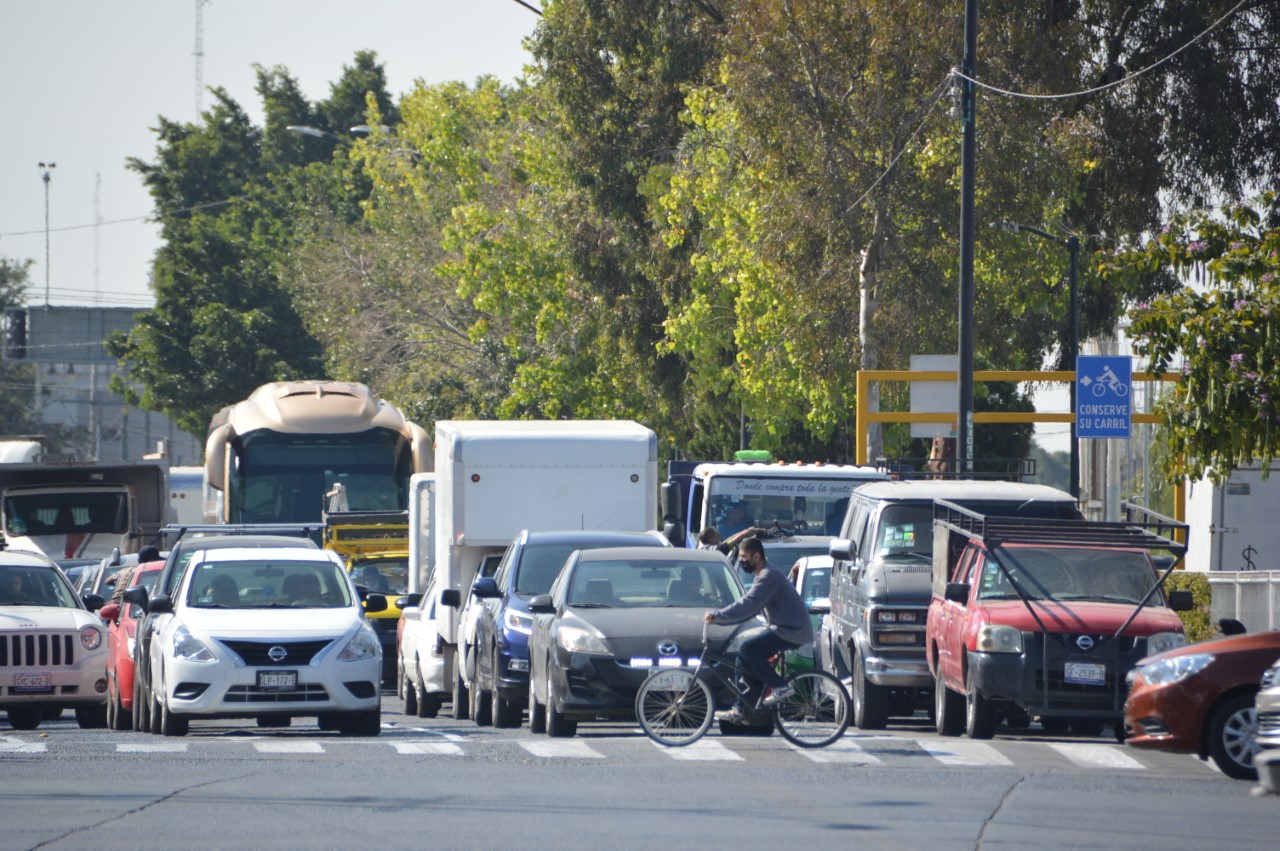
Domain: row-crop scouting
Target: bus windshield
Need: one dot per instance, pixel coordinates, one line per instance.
(282, 478)
(805, 506)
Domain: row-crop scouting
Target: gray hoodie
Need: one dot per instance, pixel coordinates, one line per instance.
(781, 603)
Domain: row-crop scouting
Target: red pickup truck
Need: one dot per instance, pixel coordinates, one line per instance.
(1044, 618)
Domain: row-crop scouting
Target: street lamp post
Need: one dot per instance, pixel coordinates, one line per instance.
(1072, 244)
(45, 176)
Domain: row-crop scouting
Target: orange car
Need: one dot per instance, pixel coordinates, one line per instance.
(1200, 699)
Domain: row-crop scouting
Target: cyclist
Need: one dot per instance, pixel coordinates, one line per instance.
(789, 626)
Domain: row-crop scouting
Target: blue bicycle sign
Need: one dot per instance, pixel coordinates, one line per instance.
(1102, 396)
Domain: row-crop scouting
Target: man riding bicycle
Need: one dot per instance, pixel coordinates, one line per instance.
(789, 626)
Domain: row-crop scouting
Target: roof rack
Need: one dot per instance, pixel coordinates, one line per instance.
(995, 531)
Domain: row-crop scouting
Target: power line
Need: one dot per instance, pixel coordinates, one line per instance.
(153, 219)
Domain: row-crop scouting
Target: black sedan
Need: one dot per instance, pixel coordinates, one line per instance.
(612, 616)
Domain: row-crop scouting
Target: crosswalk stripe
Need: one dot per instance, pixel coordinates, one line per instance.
(23, 747)
(701, 750)
(435, 748)
(158, 747)
(1098, 756)
(288, 747)
(845, 752)
(554, 750)
(963, 753)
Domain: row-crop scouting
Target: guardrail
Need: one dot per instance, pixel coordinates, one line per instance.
(1250, 596)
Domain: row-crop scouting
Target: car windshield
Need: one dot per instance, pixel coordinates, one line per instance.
(1070, 573)
(267, 583)
(35, 586)
(816, 584)
(383, 574)
(649, 583)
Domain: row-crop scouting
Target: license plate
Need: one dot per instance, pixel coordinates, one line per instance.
(276, 680)
(671, 679)
(1085, 673)
(33, 682)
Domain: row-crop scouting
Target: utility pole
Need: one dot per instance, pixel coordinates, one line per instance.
(45, 176)
(968, 159)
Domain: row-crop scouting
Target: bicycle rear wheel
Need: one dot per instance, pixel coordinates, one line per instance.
(674, 707)
(816, 713)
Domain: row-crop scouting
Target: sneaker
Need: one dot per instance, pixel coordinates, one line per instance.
(732, 715)
(777, 695)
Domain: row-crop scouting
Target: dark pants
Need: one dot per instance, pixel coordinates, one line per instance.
(753, 655)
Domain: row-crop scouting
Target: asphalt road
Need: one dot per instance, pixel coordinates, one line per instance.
(444, 784)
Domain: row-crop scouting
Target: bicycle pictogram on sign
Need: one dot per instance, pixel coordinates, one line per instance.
(1102, 396)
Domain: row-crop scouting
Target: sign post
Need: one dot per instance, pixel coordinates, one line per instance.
(1104, 406)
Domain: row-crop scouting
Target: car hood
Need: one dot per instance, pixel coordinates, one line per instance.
(1079, 616)
(45, 617)
(249, 623)
(1267, 643)
(635, 632)
(900, 581)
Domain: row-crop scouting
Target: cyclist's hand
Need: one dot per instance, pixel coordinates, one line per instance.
(709, 617)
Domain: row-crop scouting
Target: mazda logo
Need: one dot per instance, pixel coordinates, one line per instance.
(668, 648)
(277, 653)
(1085, 642)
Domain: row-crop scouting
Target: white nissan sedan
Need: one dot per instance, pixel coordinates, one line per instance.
(271, 634)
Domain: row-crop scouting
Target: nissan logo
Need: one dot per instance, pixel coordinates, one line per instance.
(277, 653)
(1085, 642)
(668, 648)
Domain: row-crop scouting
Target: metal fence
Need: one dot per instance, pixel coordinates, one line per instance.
(1251, 597)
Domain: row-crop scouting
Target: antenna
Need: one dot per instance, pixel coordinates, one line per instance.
(198, 53)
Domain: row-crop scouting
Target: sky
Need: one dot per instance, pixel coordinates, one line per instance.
(82, 83)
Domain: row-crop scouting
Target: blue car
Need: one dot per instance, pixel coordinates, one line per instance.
(499, 655)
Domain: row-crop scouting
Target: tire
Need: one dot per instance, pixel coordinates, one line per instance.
(1232, 735)
(429, 704)
(948, 708)
(25, 717)
(506, 714)
(537, 713)
(274, 720)
(461, 699)
(140, 721)
(153, 715)
(558, 727)
(480, 706)
(675, 710)
(817, 712)
(870, 701)
(1087, 726)
(111, 706)
(407, 692)
(170, 724)
(92, 717)
(366, 722)
(979, 714)
(400, 693)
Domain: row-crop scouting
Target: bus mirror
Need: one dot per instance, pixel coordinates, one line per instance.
(672, 504)
(215, 453)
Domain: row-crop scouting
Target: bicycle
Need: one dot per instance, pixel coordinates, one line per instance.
(675, 706)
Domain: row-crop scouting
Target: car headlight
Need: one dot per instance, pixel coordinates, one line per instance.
(90, 637)
(1270, 677)
(1163, 672)
(1162, 641)
(519, 621)
(187, 646)
(998, 638)
(361, 646)
(577, 640)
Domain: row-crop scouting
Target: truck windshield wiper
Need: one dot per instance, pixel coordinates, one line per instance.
(591, 605)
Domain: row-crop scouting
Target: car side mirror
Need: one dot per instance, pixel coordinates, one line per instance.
(136, 595)
(541, 604)
(451, 598)
(1181, 601)
(842, 549)
(485, 587)
(109, 612)
(958, 592)
(375, 603)
(160, 604)
(409, 600)
(93, 602)
(820, 606)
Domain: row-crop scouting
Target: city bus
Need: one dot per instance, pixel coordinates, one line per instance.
(275, 456)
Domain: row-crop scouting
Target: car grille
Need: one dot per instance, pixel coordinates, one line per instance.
(255, 653)
(37, 649)
(1269, 724)
(304, 693)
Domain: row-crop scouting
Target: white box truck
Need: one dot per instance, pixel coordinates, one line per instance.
(1233, 525)
(493, 479)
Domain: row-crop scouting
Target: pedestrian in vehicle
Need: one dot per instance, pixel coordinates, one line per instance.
(738, 519)
(12, 589)
(709, 538)
(789, 626)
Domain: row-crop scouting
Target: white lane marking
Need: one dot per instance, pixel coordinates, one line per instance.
(963, 753)
(160, 747)
(701, 750)
(842, 751)
(562, 750)
(288, 747)
(1099, 756)
(23, 747)
(435, 748)
(448, 737)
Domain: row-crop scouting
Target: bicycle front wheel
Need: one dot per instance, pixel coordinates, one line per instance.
(674, 707)
(816, 713)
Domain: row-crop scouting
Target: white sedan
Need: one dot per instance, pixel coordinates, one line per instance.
(271, 634)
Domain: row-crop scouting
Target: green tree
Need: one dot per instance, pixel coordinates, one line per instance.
(17, 414)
